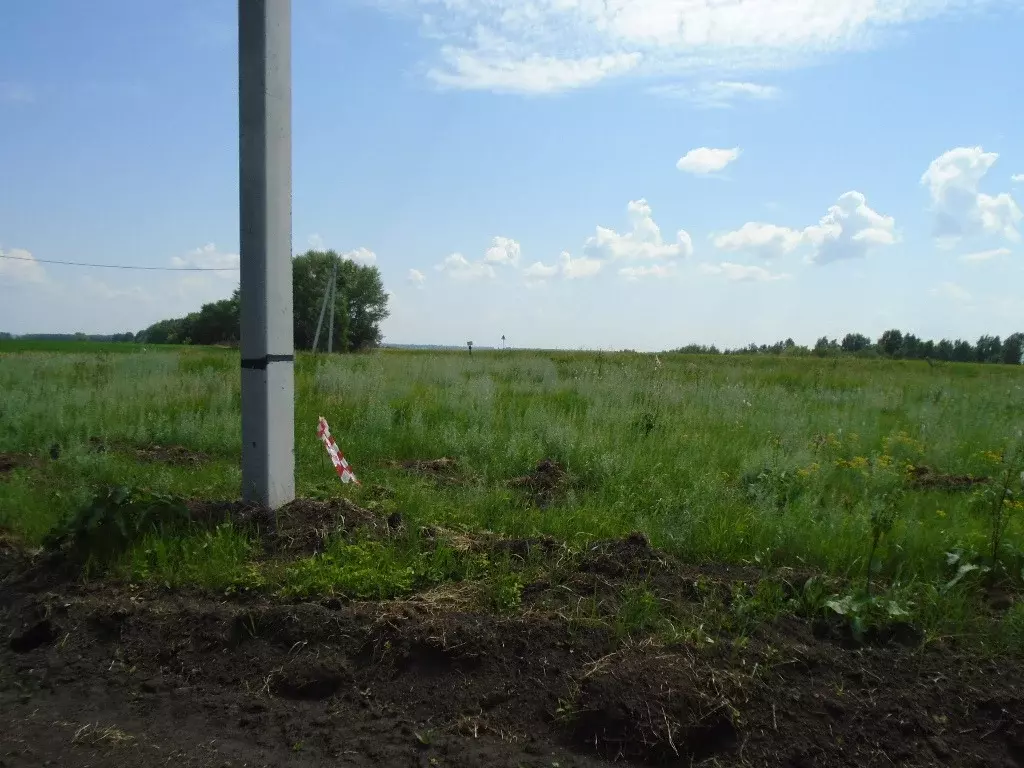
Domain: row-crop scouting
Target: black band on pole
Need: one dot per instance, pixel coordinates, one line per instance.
(260, 363)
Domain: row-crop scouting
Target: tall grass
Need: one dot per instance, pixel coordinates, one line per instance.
(689, 452)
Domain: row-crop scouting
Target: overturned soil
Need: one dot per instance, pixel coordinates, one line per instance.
(547, 483)
(443, 470)
(107, 674)
(926, 478)
(12, 461)
(303, 526)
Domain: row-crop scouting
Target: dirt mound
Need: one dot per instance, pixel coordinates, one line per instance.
(926, 478)
(630, 556)
(657, 711)
(175, 455)
(302, 526)
(546, 484)
(12, 461)
(444, 469)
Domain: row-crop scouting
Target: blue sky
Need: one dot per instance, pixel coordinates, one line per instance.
(569, 173)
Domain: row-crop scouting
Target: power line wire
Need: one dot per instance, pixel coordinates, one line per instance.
(120, 266)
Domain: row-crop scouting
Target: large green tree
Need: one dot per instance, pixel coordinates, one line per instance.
(360, 305)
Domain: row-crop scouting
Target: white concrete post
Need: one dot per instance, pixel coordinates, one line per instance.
(265, 199)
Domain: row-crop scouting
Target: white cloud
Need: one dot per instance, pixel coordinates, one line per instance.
(416, 277)
(721, 94)
(460, 268)
(951, 291)
(655, 270)
(363, 256)
(540, 271)
(208, 257)
(707, 160)
(550, 45)
(995, 253)
(766, 240)
(20, 266)
(496, 71)
(644, 241)
(1017, 178)
(503, 250)
(316, 242)
(742, 272)
(581, 267)
(960, 209)
(849, 230)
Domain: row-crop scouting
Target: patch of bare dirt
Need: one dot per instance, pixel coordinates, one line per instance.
(175, 455)
(12, 461)
(104, 675)
(546, 484)
(444, 469)
(301, 527)
(653, 707)
(926, 478)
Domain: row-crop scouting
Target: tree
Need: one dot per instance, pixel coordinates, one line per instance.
(944, 350)
(989, 350)
(360, 303)
(963, 352)
(890, 342)
(855, 342)
(1013, 349)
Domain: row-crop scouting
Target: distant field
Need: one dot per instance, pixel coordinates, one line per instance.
(656, 561)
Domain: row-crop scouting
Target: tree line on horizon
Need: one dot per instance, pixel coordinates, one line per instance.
(360, 305)
(892, 344)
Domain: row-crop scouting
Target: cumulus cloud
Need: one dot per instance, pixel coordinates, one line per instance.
(654, 270)
(849, 230)
(705, 160)
(20, 266)
(460, 268)
(209, 257)
(643, 241)
(720, 94)
(960, 208)
(542, 46)
(503, 250)
(416, 277)
(363, 256)
(741, 272)
(579, 267)
(979, 256)
(766, 240)
(1017, 178)
(540, 271)
(316, 242)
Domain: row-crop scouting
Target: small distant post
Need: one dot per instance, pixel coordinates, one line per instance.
(265, 198)
(470, 345)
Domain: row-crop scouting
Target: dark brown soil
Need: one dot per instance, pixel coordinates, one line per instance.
(175, 455)
(546, 484)
(12, 461)
(444, 469)
(104, 674)
(301, 527)
(926, 478)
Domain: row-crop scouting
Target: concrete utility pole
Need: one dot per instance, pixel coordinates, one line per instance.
(265, 200)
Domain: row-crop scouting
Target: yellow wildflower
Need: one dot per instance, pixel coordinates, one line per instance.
(940, 512)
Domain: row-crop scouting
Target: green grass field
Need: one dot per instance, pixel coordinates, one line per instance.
(774, 462)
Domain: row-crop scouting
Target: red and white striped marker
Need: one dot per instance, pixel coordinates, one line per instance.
(337, 458)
